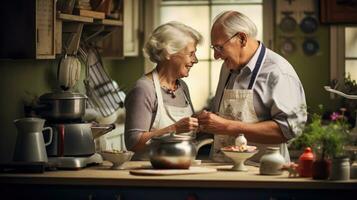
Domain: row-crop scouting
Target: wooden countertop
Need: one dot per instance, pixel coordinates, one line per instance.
(223, 178)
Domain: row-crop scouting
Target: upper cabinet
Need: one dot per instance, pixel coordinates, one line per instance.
(28, 29)
(131, 32)
(40, 29)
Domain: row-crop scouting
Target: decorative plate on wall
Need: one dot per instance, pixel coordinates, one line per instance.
(310, 46)
(287, 47)
(309, 24)
(288, 24)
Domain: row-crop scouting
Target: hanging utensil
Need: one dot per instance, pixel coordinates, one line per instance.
(69, 71)
(103, 93)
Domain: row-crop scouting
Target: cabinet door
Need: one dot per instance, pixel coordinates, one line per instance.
(131, 32)
(27, 30)
(45, 29)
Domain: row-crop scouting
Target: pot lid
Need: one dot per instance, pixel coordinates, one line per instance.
(63, 95)
(172, 137)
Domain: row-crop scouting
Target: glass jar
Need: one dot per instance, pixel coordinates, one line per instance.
(271, 162)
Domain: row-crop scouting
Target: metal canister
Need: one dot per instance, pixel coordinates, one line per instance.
(340, 169)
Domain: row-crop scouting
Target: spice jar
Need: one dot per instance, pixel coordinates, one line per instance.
(305, 163)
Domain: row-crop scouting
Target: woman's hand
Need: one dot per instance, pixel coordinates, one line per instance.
(212, 123)
(186, 124)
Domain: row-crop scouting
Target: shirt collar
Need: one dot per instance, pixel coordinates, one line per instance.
(251, 64)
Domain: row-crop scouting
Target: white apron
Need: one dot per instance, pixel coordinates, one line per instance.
(166, 115)
(237, 104)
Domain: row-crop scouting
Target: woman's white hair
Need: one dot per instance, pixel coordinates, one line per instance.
(233, 22)
(168, 39)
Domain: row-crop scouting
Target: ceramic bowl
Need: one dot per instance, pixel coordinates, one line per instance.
(239, 158)
(118, 158)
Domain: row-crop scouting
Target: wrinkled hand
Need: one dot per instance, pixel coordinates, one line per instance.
(212, 123)
(186, 124)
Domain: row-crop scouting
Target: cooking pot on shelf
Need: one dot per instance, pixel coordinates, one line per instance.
(174, 151)
(62, 105)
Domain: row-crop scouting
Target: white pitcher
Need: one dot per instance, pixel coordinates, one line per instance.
(30, 145)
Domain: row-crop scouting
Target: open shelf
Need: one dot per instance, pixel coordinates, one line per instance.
(108, 22)
(77, 18)
(74, 18)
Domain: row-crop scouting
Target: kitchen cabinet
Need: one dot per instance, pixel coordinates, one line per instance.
(154, 193)
(98, 182)
(28, 29)
(33, 29)
(131, 32)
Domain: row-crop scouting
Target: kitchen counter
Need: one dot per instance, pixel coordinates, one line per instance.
(230, 182)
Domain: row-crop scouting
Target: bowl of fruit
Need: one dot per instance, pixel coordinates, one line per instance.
(239, 154)
(117, 157)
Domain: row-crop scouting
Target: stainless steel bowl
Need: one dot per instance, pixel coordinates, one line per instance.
(172, 152)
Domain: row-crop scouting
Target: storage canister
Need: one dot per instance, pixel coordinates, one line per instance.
(340, 169)
(271, 162)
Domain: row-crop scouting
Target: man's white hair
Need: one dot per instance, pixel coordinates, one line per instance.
(233, 22)
(168, 39)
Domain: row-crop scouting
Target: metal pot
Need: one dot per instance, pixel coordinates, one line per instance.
(71, 139)
(174, 151)
(63, 105)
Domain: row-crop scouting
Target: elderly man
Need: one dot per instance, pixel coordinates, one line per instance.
(259, 93)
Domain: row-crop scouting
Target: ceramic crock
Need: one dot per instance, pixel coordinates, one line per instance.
(271, 162)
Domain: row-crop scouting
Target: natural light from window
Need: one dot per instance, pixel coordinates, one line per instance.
(204, 75)
(351, 51)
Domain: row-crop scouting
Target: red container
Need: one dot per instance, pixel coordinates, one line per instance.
(305, 163)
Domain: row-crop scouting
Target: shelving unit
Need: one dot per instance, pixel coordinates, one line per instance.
(38, 31)
(106, 34)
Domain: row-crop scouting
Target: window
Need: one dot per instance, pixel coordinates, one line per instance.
(343, 63)
(199, 15)
(351, 52)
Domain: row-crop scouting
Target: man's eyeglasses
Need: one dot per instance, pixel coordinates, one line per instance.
(219, 48)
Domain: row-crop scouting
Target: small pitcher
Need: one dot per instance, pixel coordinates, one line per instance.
(30, 145)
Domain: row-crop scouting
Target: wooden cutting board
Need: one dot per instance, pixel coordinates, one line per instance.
(160, 172)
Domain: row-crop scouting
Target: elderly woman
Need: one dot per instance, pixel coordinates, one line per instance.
(160, 102)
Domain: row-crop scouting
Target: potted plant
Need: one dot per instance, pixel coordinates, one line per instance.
(326, 137)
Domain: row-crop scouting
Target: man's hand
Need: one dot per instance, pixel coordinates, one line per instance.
(212, 123)
(186, 124)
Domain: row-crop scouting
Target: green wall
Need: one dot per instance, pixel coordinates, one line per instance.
(22, 80)
(314, 70)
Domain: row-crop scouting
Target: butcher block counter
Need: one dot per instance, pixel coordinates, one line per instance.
(99, 182)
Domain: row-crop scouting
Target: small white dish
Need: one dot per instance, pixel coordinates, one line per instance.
(239, 158)
(117, 158)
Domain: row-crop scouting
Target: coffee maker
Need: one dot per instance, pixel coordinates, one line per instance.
(72, 145)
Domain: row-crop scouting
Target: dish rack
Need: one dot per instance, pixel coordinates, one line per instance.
(104, 94)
